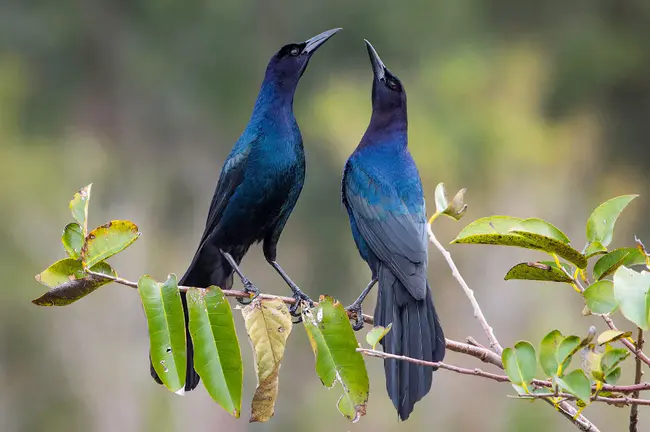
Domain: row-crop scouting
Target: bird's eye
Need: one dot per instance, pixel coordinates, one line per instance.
(391, 84)
(294, 51)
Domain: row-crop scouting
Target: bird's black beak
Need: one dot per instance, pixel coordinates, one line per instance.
(311, 45)
(378, 67)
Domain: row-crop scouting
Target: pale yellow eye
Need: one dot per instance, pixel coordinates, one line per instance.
(294, 51)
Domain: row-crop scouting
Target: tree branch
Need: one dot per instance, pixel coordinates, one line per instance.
(629, 345)
(564, 407)
(478, 313)
(479, 352)
(634, 411)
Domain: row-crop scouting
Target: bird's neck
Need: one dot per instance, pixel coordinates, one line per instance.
(387, 128)
(273, 98)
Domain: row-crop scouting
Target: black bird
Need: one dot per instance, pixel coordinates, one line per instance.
(382, 192)
(258, 187)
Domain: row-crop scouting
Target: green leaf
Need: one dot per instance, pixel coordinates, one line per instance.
(105, 241)
(612, 358)
(613, 376)
(456, 209)
(334, 344)
(72, 239)
(520, 363)
(565, 351)
(537, 271)
(577, 384)
(268, 324)
(630, 290)
(599, 297)
(593, 249)
(591, 365)
(440, 196)
(166, 323)
(547, 352)
(539, 226)
(217, 357)
(69, 282)
(505, 231)
(79, 208)
(600, 226)
(376, 334)
(612, 336)
(551, 245)
(609, 263)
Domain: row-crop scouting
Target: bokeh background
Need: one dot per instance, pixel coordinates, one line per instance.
(538, 108)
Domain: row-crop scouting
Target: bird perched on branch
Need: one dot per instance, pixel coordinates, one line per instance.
(382, 192)
(258, 187)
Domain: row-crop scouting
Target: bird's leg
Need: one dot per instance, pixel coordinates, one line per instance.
(355, 307)
(298, 295)
(248, 285)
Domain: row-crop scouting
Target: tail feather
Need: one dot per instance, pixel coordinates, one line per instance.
(416, 333)
(205, 270)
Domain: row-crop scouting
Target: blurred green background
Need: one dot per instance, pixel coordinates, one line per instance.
(538, 108)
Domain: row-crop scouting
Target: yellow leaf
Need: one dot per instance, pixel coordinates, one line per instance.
(268, 325)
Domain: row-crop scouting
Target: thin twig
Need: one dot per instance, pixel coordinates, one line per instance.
(624, 401)
(479, 352)
(629, 345)
(564, 407)
(499, 378)
(478, 313)
(634, 411)
(441, 365)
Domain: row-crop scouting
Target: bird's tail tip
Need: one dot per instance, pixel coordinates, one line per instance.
(416, 333)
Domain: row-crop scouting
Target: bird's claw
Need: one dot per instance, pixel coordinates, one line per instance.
(299, 298)
(357, 314)
(250, 289)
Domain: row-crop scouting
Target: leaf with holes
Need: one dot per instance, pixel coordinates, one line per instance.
(166, 323)
(520, 363)
(69, 282)
(631, 289)
(268, 324)
(547, 352)
(600, 298)
(537, 271)
(107, 240)
(337, 360)
(600, 226)
(217, 356)
(72, 239)
(79, 208)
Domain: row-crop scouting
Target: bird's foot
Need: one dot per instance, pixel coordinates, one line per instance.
(251, 290)
(299, 298)
(355, 312)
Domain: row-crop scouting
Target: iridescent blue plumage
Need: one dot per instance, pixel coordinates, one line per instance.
(258, 186)
(382, 192)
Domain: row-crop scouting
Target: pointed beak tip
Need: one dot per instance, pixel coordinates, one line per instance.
(314, 43)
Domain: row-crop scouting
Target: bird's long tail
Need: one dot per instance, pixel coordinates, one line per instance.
(416, 333)
(206, 269)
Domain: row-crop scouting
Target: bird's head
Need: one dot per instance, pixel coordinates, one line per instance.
(388, 95)
(287, 65)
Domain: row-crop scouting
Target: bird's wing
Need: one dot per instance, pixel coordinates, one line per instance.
(395, 233)
(231, 176)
